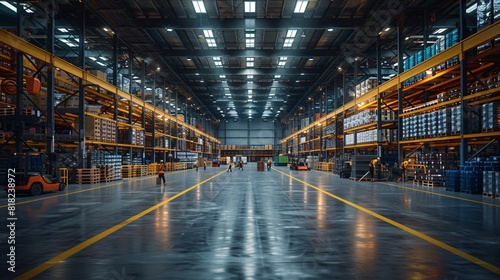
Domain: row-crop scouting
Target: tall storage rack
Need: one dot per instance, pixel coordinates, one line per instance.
(433, 100)
(105, 131)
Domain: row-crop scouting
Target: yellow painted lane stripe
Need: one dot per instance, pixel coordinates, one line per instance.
(425, 237)
(87, 190)
(443, 195)
(434, 193)
(66, 254)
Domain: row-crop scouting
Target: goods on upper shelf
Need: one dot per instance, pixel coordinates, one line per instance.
(442, 43)
(365, 117)
(365, 86)
(386, 135)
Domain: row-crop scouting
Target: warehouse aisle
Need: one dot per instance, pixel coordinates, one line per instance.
(282, 224)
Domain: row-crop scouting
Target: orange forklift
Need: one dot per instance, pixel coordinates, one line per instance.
(35, 173)
(299, 164)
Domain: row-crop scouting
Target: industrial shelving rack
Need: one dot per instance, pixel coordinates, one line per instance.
(467, 83)
(114, 120)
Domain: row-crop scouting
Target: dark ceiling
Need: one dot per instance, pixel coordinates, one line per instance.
(228, 63)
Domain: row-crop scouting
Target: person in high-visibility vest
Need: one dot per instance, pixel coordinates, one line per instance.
(161, 172)
(372, 165)
(404, 166)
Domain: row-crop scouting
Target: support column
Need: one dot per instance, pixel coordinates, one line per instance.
(379, 105)
(19, 80)
(82, 156)
(115, 82)
(343, 112)
(335, 94)
(153, 122)
(130, 121)
(49, 147)
(164, 120)
(176, 132)
(130, 68)
(400, 89)
(153, 134)
(464, 147)
(143, 114)
(379, 62)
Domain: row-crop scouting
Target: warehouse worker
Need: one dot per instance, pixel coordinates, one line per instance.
(268, 165)
(404, 166)
(372, 165)
(204, 165)
(161, 173)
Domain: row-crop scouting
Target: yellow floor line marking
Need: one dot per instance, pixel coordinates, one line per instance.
(433, 193)
(425, 237)
(91, 189)
(442, 194)
(68, 253)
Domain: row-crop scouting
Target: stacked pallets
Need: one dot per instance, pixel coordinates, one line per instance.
(107, 173)
(87, 176)
(140, 170)
(127, 171)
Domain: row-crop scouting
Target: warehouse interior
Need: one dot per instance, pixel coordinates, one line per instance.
(326, 81)
(390, 107)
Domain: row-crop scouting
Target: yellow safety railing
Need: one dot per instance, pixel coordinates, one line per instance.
(64, 175)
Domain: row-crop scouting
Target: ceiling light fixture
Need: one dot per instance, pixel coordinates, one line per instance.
(440, 30)
(199, 7)
(250, 43)
(301, 6)
(471, 8)
(291, 33)
(8, 5)
(249, 6)
(208, 33)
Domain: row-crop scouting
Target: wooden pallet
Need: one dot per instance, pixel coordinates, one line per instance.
(87, 176)
(428, 183)
(127, 171)
(417, 182)
(107, 173)
(140, 170)
(488, 194)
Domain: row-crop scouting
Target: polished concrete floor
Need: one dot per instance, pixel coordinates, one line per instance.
(281, 224)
